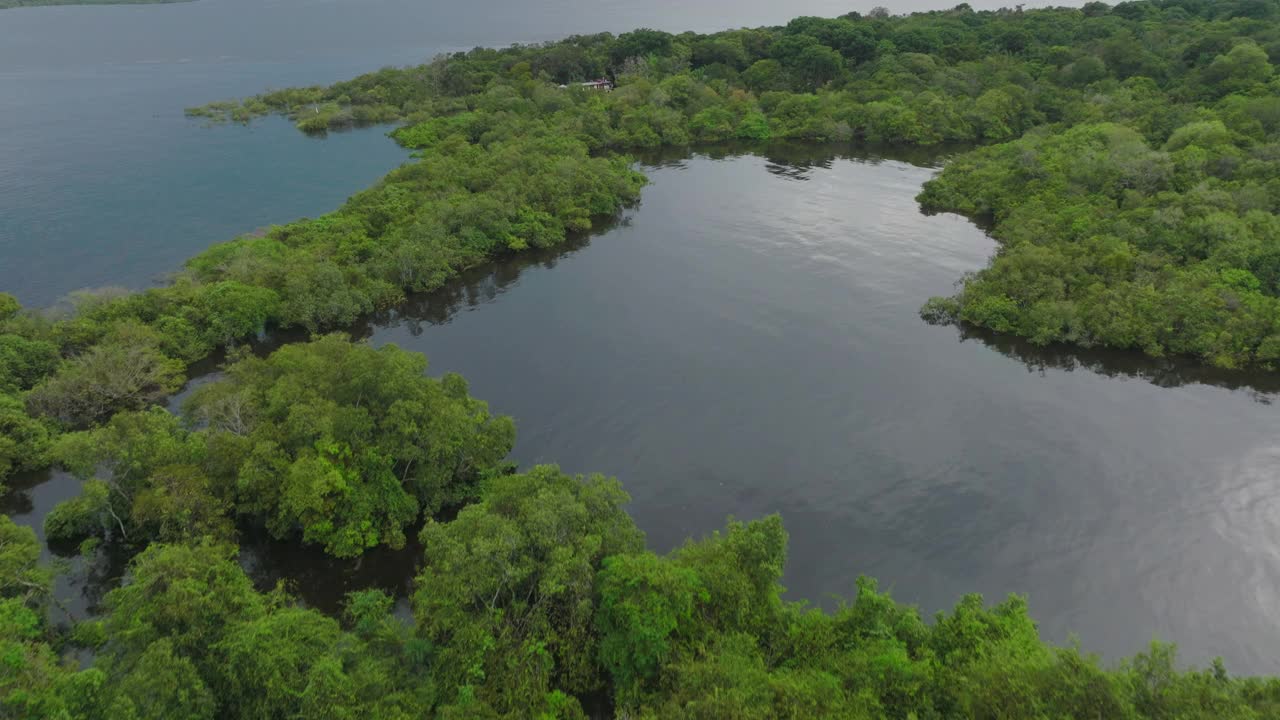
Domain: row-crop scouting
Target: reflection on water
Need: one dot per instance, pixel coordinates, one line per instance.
(1163, 372)
(747, 341)
(797, 161)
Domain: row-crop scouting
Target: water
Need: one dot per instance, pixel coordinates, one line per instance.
(744, 342)
(747, 342)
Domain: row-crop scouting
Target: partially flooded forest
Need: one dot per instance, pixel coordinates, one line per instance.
(968, 301)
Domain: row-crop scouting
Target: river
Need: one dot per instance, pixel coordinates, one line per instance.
(743, 342)
(746, 342)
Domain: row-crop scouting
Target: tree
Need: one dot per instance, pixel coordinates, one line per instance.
(269, 661)
(733, 679)
(163, 686)
(713, 51)
(35, 683)
(1085, 70)
(1129, 175)
(190, 595)
(646, 608)
(24, 362)
(329, 693)
(88, 514)
(233, 311)
(126, 372)
(854, 42)
(345, 444)
(818, 65)
(766, 75)
(1244, 66)
(143, 473)
(739, 569)
(21, 575)
(507, 589)
(787, 49)
(24, 441)
(640, 43)
(317, 295)
(178, 503)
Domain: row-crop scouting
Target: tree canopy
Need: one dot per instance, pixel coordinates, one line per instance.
(332, 442)
(540, 601)
(1172, 103)
(1124, 157)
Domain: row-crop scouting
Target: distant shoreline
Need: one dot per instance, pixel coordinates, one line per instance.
(10, 4)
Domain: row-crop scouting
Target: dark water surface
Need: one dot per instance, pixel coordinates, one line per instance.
(747, 342)
(744, 342)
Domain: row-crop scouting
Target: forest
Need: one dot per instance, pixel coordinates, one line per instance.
(1126, 162)
(1124, 158)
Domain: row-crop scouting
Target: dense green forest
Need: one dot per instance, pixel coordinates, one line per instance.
(1124, 157)
(1137, 213)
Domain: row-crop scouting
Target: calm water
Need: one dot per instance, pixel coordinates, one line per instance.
(104, 182)
(744, 342)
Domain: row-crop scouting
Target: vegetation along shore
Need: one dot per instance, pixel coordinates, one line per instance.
(8, 4)
(1125, 158)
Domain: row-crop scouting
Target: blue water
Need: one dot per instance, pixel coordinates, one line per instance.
(103, 181)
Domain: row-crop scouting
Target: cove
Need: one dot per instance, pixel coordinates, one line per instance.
(746, 341)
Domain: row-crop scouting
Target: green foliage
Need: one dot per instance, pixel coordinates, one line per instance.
(7, 4)
(9, 306)
(188, 636)
(190, 595)
(734, 680)
(346, 444)
(145, 479)
(1106, 241)
(1241, 68)
(24, 441)
(524, 592)
(34, 683)
(507, 591)
(509, 161)
(234, 310)
(331, 440)
(265, 677)
(87, 515)
(644, 604)
(162, 686)
(24, 362)
(21, 576)
(1184, 77)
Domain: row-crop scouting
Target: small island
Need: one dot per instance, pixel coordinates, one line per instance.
(8, 4)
